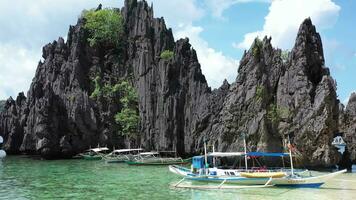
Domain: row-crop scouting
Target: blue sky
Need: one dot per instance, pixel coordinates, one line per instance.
(219, 30)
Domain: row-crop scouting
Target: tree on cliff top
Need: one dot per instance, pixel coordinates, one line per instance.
(104, 25)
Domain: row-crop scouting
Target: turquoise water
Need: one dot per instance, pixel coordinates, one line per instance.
(25, 178)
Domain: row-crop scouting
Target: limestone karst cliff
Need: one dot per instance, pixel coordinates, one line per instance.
(273, 96)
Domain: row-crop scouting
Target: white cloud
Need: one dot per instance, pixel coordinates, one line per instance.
(177, 12)
(215, 66)
(285, 16)
(17, 69)
(218, 7)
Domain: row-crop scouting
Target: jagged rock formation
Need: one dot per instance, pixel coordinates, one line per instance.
(2, 105)
(270, 98)
(12, 123)
(348, 127)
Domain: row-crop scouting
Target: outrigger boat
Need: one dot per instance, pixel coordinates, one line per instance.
(154, 158)
(94, 153)
(121, 155)
(246, 178)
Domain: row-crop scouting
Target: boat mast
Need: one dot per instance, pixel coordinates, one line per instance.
(205, 156)
(290, 156)
(245, 151)
(214, 161)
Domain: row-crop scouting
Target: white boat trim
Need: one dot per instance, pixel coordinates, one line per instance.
(226, 154)
(149, 153)
(125, 150)
(99, 149)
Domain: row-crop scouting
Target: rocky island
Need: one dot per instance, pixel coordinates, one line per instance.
(77, 93)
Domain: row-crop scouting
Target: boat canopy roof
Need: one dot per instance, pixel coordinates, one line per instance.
(149, 153)
(226, 154)
(99, 149)
(257, 153)
(126, 150)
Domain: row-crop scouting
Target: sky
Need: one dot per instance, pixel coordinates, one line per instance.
(219, 30)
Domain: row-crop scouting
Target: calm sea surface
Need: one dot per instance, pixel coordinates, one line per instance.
(25, 178)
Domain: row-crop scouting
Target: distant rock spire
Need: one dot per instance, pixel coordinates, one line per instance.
(99, 7)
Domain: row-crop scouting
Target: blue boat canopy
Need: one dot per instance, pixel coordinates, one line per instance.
(198, 162)
(257, 153)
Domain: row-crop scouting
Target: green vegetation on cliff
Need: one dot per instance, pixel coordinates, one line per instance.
(275, 113)
(167, 54)
(104, 25)
(261, 93)
(128, 118)
(257, 47)
(97, 90)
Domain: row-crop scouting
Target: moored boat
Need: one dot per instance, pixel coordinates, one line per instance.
(121, 155)
(246, 177)
(154, 158)
(94, 153)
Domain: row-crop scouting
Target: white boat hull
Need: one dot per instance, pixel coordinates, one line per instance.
(288, 181)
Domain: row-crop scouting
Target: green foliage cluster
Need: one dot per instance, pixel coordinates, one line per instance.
(128, 118)
(261, 93)
(97, 89)
(167, 55)
(275, 113)
(104, 25)
(108, 90)
(257, 47)
(272, 113)
(285, 55)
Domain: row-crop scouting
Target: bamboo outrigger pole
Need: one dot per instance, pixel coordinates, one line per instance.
(290, 156)
(205, 156)
(245, 151)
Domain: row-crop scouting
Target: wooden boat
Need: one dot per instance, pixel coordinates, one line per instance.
(94, 153)
(236, 181)
(245, 178)
(121, 155)
(154, 158)
(258, 178)
(2, 152)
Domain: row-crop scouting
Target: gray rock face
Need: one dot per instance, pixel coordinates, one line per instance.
(2, 105)
(348, 126)
(270, 97)
(12, 122)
